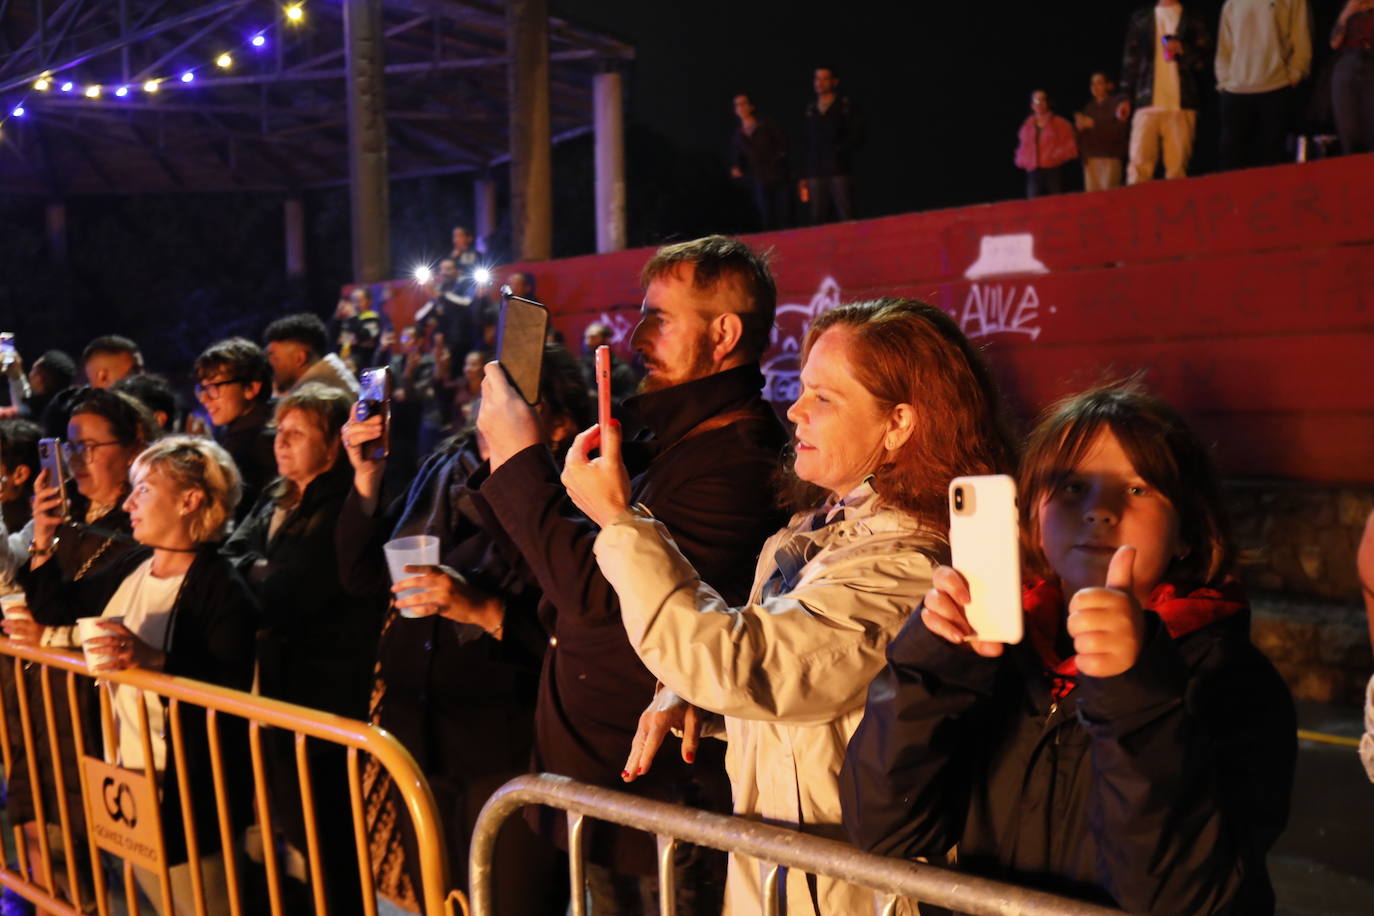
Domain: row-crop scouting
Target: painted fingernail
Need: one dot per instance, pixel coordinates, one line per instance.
(641, 772)
(689, 756)
(625, 775)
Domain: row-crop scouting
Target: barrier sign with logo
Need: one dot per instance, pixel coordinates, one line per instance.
(124, 812)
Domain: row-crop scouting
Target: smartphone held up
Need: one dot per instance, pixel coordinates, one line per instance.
(52, 458)
(603, 386)
(984, 540)
(520, 333)
(374, 399)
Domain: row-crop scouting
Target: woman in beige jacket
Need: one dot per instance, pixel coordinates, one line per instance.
(893, 404)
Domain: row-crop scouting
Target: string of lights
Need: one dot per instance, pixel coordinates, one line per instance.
(292, 15)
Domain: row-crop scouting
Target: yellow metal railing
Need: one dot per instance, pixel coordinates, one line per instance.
(36, 669)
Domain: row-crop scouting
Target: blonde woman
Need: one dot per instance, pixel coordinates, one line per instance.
(176, 606)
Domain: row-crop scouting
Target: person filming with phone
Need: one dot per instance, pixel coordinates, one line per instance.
(702, 451)
(882, 382)
(1135, 748)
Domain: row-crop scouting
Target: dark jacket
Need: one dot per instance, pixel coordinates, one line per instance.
(248, 440)
(460, 700)
(1106, 139)
(714, 492)
(317, 642)
(832, 138)
(439, 674)
(1160, 789)
(209, 638)
(762, 155)
(1138, 59)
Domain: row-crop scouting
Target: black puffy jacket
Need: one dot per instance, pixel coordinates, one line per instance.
(1159, 790)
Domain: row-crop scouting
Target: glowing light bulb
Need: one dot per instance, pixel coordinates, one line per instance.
(68, 86)
(481, 276)
(122, 91)
(295, 14)
(423, 273)
(42, 84)
(187, 76)
(92, 92)
(18, 111)
(224, 61)
(150, 86)
(259, 41)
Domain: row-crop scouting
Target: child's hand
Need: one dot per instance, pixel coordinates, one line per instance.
(943, 613)
(1107, 624)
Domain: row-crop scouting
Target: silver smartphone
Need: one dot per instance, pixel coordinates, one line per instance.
(374, 399)
(984, 539)
(52, 459)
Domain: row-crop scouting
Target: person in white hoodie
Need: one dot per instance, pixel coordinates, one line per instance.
(1264, 49)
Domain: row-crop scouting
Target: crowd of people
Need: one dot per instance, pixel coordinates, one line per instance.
(693, 604)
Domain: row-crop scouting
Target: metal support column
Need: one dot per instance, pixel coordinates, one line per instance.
(367, 167)
(531, 144)
(608, 119)
(55, 223)
(294, 224)
(484, 212)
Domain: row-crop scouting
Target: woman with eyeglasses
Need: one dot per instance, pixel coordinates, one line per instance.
(104, 434)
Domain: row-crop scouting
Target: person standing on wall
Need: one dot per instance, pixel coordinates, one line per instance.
(1167, 47)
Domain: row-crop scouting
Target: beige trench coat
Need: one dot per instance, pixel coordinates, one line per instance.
(789, 672)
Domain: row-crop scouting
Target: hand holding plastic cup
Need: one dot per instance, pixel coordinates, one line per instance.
(15, 606)
(88, 628)
(419, 550)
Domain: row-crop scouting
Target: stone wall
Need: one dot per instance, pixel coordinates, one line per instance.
(1297, 545)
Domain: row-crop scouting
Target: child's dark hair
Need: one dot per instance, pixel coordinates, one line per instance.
(1164, 452)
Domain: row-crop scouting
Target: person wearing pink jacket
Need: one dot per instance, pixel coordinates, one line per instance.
(1047, 143)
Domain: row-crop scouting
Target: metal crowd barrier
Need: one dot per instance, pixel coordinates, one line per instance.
(894, 879)
(108, 793)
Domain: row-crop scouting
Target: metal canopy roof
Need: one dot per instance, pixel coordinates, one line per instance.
(277, 118)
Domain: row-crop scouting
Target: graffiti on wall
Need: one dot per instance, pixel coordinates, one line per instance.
(996, 304)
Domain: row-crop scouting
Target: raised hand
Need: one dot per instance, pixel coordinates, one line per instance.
(508, 424)
(600, 487)
(367, 472)
(1107, 624)
(943, 612)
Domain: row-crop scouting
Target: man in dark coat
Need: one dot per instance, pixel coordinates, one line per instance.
(833, 133)
(702, 447)
(758, 156)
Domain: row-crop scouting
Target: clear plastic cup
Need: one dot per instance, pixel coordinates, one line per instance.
(90, 628)
(418, 550)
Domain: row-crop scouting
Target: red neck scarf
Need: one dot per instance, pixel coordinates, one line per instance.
(1182, 613)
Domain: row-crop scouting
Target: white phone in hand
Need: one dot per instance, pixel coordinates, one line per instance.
(985, 543)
